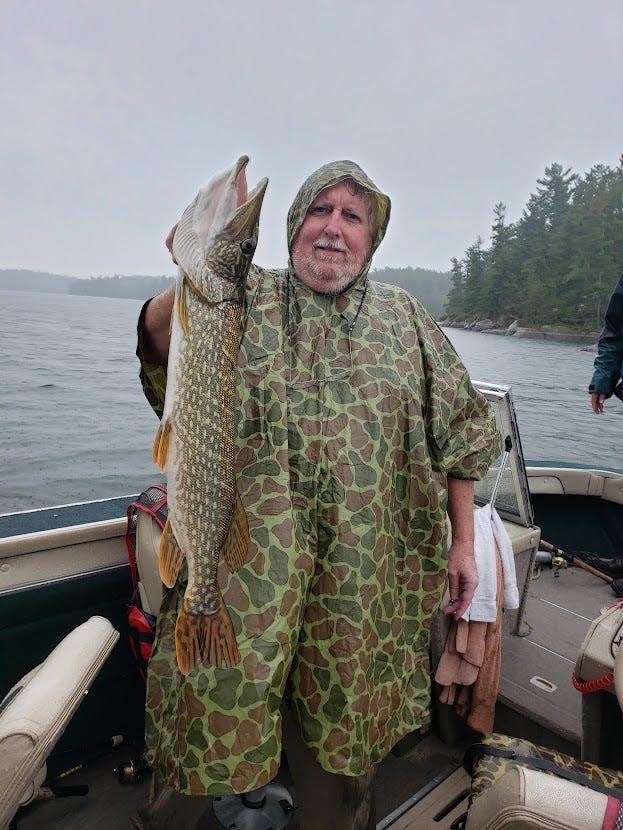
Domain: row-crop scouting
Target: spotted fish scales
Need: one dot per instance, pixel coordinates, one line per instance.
(213, 245)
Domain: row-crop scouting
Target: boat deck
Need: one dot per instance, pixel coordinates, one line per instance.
(537, 667)
(405, 790)
(423, 786)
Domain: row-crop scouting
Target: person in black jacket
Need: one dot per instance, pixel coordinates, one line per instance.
(609, 360)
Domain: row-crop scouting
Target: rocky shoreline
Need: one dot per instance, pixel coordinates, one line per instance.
(588, 340)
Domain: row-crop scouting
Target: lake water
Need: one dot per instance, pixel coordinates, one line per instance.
(74, 424)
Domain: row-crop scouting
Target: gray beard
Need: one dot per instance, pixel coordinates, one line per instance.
(347, 273)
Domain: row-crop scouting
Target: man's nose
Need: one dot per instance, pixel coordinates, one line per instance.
(333, 225)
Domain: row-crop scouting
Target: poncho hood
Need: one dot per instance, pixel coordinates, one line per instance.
(327, 176)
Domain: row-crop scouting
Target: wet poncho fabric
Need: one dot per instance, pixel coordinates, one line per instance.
(344, 445)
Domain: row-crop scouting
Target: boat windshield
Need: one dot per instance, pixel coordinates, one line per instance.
(506, 483)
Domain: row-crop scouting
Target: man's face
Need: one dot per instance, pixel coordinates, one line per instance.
(334, 241)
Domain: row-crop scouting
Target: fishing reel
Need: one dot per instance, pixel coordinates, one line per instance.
(557, 563)
(130, 772)
(546, 559)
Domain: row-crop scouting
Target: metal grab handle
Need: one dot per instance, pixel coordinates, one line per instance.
(508, 446)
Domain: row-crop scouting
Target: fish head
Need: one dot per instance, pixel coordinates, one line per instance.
(217, 235)
(235, 240)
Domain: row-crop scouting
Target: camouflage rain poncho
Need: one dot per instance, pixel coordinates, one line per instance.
(344, 445)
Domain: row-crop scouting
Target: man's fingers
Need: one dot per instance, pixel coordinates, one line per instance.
(456, 603)
(597, 402)
(461, 606)
(169, 241)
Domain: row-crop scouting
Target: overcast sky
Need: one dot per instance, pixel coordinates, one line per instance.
(114, 112)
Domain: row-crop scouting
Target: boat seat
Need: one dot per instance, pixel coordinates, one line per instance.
(35, 712)
(600, 662)
(150, 585)
(530, 799)
(523, 538)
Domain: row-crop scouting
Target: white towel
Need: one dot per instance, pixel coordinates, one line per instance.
(505, 548)
(489, 531)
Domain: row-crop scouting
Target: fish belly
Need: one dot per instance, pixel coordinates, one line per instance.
(201, 484)
(203, 423)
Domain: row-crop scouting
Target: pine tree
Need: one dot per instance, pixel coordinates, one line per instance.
(455, 308)
(557, 264)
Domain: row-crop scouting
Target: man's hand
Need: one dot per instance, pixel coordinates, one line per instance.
(462, 578)
(462, 572)
(597, 402)
(169, 241)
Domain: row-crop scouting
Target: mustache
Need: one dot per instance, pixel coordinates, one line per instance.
(327, 242)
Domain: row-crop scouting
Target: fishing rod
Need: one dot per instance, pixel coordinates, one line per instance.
(573, 558)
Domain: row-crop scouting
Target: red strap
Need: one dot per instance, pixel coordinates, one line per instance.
(613, 817)
(153, 509)
(130, 534)
(599, 683)
(596, 685)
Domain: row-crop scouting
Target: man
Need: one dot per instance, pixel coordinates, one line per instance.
(609, 360)
(357, 428)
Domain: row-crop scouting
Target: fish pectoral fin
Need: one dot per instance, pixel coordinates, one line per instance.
(160, 448)
(182, 313)
(205, 638)
(236, 545)
(170, 557)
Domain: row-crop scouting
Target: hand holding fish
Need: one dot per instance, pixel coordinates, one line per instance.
(169, 241)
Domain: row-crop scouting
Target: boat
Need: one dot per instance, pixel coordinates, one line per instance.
(62, 567)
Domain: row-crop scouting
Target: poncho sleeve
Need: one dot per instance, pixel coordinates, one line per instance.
(609, 360)
(153, 376)
(608, 365)
(462, 434)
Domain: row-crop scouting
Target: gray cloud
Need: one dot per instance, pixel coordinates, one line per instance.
(115, 112)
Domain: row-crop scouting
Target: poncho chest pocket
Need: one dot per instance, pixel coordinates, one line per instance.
(261, 390)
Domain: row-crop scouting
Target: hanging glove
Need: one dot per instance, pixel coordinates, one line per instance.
(460, 662)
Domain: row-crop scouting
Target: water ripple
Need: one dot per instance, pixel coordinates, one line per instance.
(76, 425)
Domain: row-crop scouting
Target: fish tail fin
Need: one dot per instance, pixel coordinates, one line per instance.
(205, 638)
(182, 313)
(236, 545)
(170, 556)
(160, 448)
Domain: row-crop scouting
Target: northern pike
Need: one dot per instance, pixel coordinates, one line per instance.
(213, 245)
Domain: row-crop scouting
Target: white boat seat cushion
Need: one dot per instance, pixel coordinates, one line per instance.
(35, 712)
(150, 586)
(530, 799)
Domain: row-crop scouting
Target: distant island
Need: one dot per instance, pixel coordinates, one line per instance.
(127, 287)
(430, 287)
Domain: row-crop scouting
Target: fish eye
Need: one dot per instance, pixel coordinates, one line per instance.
(248, 246)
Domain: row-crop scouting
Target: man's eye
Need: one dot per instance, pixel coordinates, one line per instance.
(318, 209)
(352, 217)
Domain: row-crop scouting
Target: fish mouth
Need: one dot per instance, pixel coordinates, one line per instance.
(243, 223)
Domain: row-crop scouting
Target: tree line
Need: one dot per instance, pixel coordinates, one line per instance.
(128, 287)
(430, 287)
(557, 265)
